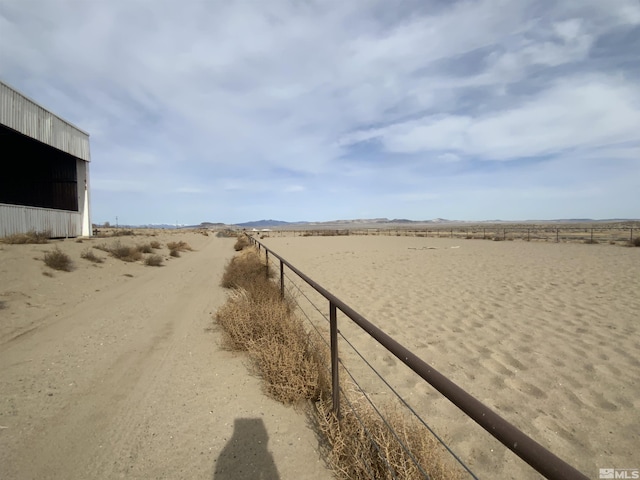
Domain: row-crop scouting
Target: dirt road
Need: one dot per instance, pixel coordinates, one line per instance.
(115, 371)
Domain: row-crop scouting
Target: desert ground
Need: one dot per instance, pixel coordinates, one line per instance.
(545, 334)
(115, 370)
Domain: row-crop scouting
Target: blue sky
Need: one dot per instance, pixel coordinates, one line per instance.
(320, 110)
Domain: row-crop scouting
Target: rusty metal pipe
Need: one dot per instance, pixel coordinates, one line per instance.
(538, 457)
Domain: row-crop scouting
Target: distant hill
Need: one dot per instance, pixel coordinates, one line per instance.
(266, 223)
(382, 222)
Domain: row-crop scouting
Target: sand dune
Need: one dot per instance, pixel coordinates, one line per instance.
(545, 334)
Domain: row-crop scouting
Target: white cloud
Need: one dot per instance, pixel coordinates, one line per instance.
(574, 114)
(345, 98)
(294, 189)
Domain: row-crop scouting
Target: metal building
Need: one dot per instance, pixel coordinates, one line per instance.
(44, 180)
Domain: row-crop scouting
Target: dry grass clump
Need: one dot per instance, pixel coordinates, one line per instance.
(176, 247)
(227, 233)
(125, 253)
(155, 244)
(153, 260)
(123, 233)
(360, 445)
(245, 271)
(241, 243)
(290, 361)
(635, 242)
(145, 248)
(31, 237)
(92, 257)
(293, 364)
(255, 319)
(180, 246)
(58, 260)
(102, 246)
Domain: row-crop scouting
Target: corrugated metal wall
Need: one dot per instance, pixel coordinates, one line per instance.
(21, 219)
(25, 116)
(66, 181)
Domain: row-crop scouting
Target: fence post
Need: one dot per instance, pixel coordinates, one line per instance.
(504, 234)
(528, 237)
(266, 262)
(631, 236)
(335, 381)
(557, 235)
(281, 279)
(591, 236)
(452, 233)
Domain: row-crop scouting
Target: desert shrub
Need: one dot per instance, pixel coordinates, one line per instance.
(361, 446)
(125, 252)
(92, 257)
(180, 246)
(246, 271)
(242, 242)
(31, 237)
(3, 304)
(293, 366)
(591, 241)
(255, 319)
(145, 248)
(153, 260)
(155, 244)
(635, 242)
(103, 246)
(58, 260)
(123, 233)
(226, 234)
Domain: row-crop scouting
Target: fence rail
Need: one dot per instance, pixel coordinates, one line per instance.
(534, 454)
(588, 234)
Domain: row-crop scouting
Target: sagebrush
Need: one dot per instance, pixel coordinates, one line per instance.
(127, 253)
(58, 260)
(153, 260)
(92, 257)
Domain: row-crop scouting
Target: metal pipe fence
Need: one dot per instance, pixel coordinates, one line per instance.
(623, 235)
(530, 451)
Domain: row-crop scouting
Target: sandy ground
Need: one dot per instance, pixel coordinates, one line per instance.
(114, 371)
(545, 334)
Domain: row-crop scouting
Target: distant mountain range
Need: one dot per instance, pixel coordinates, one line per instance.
(404, 221)
(267, 223)
(372, 223)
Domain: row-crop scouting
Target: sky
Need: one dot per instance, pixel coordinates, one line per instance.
(232, 111)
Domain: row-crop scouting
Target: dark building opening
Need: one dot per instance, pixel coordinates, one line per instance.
(36, 175)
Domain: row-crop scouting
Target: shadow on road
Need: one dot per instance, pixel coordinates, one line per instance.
(245, 456)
